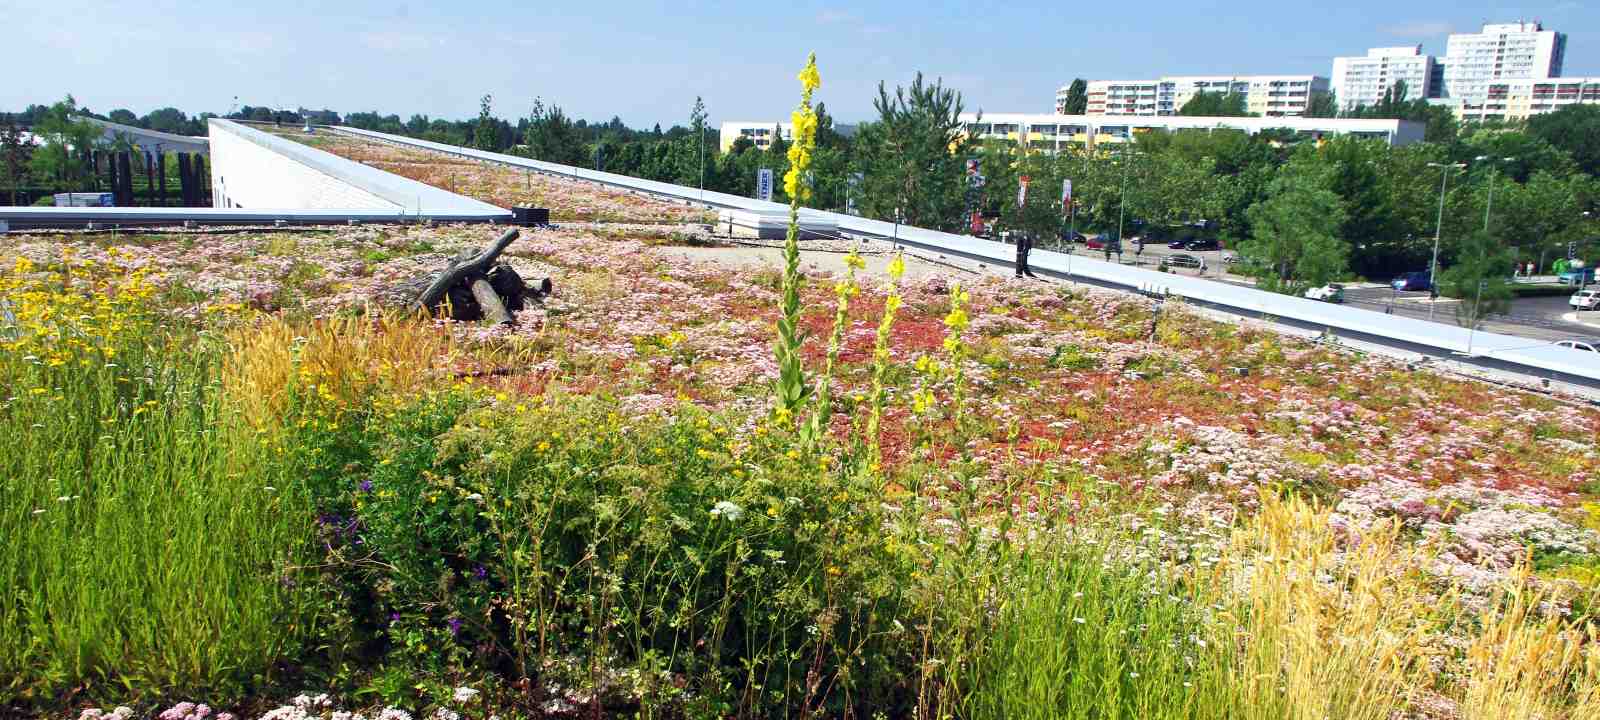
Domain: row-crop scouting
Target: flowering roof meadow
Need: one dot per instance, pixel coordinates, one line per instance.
(1085, 394)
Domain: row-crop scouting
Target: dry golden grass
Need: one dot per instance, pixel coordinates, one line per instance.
(333, 362)
(1322, 630)
(1530, 665)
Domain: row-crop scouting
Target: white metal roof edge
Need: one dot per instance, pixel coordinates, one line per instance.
(409, 195)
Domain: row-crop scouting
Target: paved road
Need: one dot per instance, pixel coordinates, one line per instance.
(1538, 318)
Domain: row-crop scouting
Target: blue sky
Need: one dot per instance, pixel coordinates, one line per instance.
(645, 61)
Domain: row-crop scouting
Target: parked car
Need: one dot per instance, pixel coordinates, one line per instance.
(1577, 345)
(1076, 237)
(1577, 276)
(1332, 292)
(1186, 261)
(1204, 244)
(1585, 300)
(1097, 242)
(1178, 244)
(1419, 280)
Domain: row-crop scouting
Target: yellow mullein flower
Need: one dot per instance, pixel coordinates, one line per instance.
(897, 266)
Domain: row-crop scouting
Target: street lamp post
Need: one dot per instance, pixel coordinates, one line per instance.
(1489, 205)
(1122, 203)
(1433, 267)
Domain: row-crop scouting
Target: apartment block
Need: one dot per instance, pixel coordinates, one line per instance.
(1265, 95)
(1364, 80)
(759, 132)
(1049, 133)
(1513, 100)
(1501, 52)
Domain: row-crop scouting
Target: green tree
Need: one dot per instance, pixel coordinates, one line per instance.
(1077, 99)
(1323, 105)
(551, 137)
(64, 158)
(1294, 239)
(171, 120)
(485, 135)
(15, 156)
(1540, 216)
(1478, 278)
(1574, 129)
(699, 154)
(123, 116)
(1215, 104)
(912, 157)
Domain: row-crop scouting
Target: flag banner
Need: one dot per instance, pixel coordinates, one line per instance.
(764, 184)
(1066, 195)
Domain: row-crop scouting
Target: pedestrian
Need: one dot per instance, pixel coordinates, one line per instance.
(1024, 246)
(1530, 269)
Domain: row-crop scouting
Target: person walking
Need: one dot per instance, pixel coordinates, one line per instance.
(1024, 246)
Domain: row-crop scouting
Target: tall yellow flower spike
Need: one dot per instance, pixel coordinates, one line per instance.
(804, 122)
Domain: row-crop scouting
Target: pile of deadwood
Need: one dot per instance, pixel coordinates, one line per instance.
(476, 287)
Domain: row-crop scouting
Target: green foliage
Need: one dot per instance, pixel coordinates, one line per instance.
(1058, 630)
(63, 160)
(151, 541)
(1441, 125)
(913, 156)
(1077, 99)
(551, 137)
(1573, 129)
(15, 159)
(1478, 278)
(483, 136)
(1215, 104)
(1294, 231)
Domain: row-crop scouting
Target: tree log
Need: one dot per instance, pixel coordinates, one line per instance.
(460, 269)
(493, 309)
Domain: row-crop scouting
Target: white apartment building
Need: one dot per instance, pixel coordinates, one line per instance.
(1513, 100)
(759, 132)
(1049, 133)
(1501, 52)
(1265, 95)
(1366, 79)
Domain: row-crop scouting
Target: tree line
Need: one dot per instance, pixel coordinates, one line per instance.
(1302, 210)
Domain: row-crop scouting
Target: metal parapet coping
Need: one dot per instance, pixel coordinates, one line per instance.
(413, 201)
(411, 196)
(1541, 361)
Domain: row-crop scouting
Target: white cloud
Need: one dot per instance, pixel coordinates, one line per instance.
(1420, 27)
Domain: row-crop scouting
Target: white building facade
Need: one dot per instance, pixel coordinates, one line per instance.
(1050, 133)
(1265, 95)
(1501, 52)
(760, 132)
(1364, 80)
(1514, 100)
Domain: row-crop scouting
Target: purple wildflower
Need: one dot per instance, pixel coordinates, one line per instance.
(455, 625)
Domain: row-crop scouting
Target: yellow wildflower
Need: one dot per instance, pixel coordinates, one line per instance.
(897, 266)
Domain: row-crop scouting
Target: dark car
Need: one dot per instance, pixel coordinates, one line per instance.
(1203, 244)
(1179, 244)
(1419, 280)
(1075, 237)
